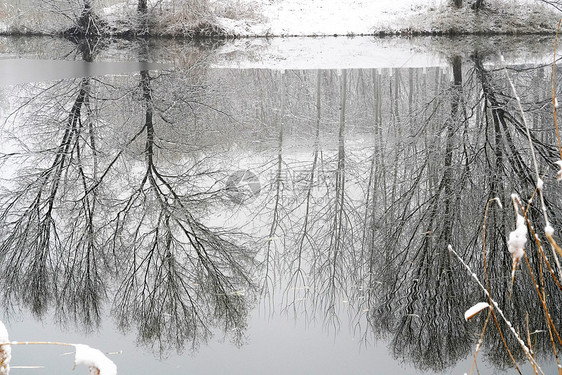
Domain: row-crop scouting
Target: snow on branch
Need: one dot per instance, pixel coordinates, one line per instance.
(470, 313)
(96, 361)
(518, 237)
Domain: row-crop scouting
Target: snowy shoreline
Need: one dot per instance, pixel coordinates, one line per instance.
(390, 17)
(304, 18)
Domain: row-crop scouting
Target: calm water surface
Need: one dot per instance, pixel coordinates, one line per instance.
(195, 219)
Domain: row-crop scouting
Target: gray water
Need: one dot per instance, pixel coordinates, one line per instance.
(194, 219)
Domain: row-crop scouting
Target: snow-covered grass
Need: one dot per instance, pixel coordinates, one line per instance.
(23, 21)
(187, 18)
(166, 18)
(498, 17)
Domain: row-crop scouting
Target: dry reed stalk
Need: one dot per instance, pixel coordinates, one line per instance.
(529, 340)
(542, 300)
(495, 307)
(480, 340)
(554, 350)
(553, 243)
(539, 183)
(539, 243)
(498, 201)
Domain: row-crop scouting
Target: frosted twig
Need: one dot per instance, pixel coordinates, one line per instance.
(497, 308)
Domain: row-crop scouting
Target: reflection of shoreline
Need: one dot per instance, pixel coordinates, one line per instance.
(299, 53)
(21, 71)
(374, 53)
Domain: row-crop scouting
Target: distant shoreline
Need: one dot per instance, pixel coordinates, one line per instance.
(243, 19)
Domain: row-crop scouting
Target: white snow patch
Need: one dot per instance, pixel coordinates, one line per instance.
(94, 359)
(475, 310)
(540, 184)
(548, 229)
(517, 238)
(559, 174)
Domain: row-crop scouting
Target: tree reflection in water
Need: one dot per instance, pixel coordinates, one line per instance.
(50, 247)
(417, 192)
(86, 225)
(373, 174)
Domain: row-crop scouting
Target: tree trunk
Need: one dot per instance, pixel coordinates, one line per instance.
(478, 4)
(142, 6)
(142, 11)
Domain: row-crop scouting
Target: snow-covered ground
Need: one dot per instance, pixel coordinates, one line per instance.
(360, 17)
(321, 17)
(324, 18)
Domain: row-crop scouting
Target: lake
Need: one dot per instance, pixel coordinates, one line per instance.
(276, 206)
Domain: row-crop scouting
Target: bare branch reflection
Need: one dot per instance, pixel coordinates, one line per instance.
(122, 197)
(101, 218)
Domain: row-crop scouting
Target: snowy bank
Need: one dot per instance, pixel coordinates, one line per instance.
(259, 18)
(365, 17)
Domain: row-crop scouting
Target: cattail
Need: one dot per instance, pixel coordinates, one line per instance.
(5, 351)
